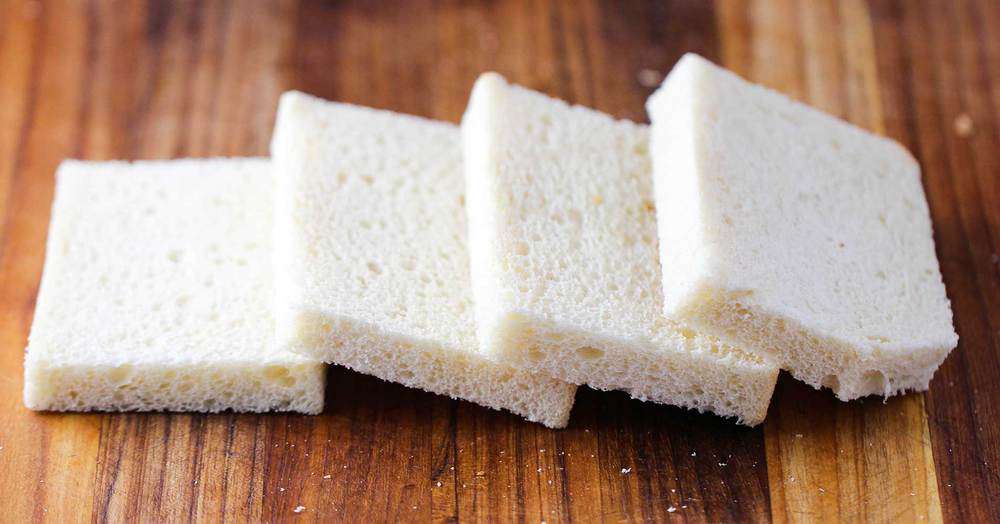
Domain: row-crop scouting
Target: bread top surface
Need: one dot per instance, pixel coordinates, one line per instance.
(158, 262)
(373, 225)
(787, 208)
(562, 218)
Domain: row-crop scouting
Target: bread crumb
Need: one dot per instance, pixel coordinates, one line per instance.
(649, 77)
(671, 509)
(626, 471)
(963, 125)
(299, 509)
(327, 476)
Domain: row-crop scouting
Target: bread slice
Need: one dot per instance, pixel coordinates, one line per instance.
(564, 261)
(157, 294)
(785, 229)
(373, 266)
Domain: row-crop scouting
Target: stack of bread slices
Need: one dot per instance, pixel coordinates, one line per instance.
(536, 247)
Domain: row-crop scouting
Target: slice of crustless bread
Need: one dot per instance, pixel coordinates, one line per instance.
(789, 230)
(564, 264)
(373, 267)
(157, 293)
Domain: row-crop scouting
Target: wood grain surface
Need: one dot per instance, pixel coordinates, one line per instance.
(102, 80)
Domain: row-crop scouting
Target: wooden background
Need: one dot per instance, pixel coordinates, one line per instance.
(103, 80)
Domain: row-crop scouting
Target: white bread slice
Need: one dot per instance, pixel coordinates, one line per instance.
(157, 293)
(373, 270)
(564, 261)
(786, 229)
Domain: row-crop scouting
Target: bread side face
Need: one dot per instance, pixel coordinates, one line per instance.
(249, 386)
(674, 365)
(156, 293)
(429, 365)
(374, 263)
(564, 257)
(831, 363)
(812, 240)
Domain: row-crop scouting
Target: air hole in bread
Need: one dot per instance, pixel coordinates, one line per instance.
(279, 374)
(873, 381)
(589, 353)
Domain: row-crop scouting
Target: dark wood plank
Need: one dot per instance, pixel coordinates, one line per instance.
(44, 49)
(939, 72)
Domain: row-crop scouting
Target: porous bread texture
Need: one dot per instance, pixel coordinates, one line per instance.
(373, 268)
(562, 238)
(157, 292)
(788, 230)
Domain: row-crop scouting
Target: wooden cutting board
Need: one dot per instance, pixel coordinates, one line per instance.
(103, 80)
